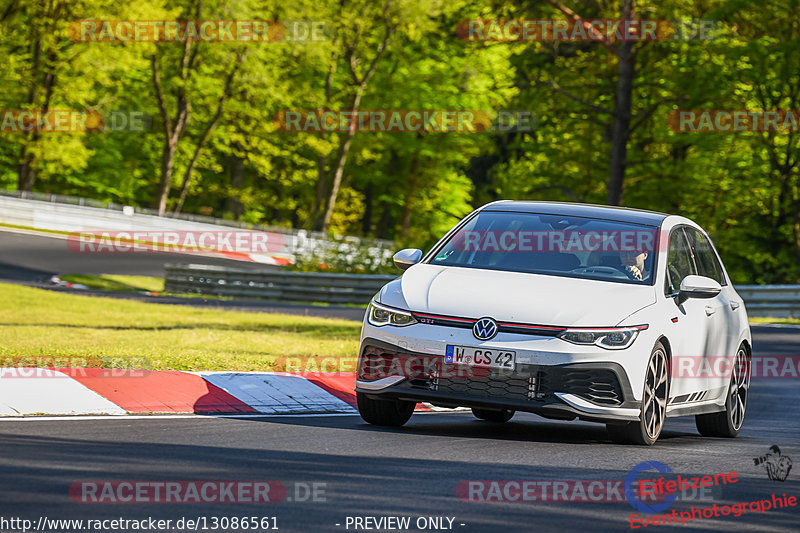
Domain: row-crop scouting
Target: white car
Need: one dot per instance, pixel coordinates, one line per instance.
(611, 315)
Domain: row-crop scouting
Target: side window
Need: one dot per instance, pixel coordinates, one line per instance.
(704, 256)
(679, 261)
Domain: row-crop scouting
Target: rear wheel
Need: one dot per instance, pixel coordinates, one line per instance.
(729, 422)
(384, 412)
(492, 415)
(654, 404)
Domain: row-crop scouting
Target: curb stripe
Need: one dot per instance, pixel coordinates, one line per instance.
(163, 391)
(49, 392)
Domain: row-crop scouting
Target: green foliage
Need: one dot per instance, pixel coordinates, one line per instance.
(412, 187)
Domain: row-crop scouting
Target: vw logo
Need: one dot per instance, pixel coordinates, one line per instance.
(484, 329)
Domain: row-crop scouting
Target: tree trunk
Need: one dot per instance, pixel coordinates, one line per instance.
(409, 196)
(340, 163)
(361, 84)
(366, 219)
(26, 170)
(385, 224)
(226, 92)
(167, 163)
(620, 130)
(235, 206)
(172, 131)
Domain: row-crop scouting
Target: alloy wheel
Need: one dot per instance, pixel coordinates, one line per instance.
(740, 386)
(654, 403)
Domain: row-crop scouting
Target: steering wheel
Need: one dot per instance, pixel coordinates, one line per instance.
(598, 269)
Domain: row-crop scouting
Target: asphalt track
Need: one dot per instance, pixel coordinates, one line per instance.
(33, 258)
(412, 471)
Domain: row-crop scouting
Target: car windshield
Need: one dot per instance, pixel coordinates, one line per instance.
(554, 245)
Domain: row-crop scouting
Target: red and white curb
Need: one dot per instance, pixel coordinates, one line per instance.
(97, 391)
(49, 392)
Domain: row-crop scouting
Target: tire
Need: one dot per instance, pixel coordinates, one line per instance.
(653, 411)
(491, 415)
(729, 422)
(392, 413)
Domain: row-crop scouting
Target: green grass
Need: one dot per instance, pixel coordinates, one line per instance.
(115, 282)
(37, 323)
(773, 320)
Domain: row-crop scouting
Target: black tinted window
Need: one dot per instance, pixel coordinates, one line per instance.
(704, 256)
(553, 245)
(679, 261)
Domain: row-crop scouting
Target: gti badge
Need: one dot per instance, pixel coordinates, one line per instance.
(484, 329)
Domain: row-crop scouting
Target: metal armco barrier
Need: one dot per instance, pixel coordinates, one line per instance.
(760, 300)
(273, 284)
(71, 214)
(771, 300)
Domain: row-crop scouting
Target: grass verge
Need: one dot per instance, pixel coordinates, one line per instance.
(773, 320)
(36, 323)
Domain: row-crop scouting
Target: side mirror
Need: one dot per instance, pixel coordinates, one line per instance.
(407, 258)
(697, 287)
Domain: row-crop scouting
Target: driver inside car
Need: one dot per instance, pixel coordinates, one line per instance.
(633, 264)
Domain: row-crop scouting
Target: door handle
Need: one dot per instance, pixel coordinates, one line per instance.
(710, 310)
(735, 305)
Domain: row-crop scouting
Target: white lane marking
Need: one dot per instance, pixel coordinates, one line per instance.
(186, 416)
(158, 417)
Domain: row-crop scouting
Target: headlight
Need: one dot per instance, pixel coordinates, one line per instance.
(379, 315)
(609, 338)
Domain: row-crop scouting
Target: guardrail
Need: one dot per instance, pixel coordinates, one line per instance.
(72, 214)
(771, 300)
(760, 300)
(273, 284)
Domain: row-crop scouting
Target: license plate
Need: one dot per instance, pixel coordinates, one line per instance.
(480, 357)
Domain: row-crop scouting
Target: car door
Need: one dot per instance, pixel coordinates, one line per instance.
(692, 332)
(724, 326)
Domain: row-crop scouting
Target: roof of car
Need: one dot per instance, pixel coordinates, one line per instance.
(619, 214)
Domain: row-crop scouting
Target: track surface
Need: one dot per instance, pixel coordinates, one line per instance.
(412, 471)
(32, 259)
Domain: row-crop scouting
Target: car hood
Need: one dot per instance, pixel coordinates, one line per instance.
(515, 296)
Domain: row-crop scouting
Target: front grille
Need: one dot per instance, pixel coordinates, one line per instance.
(486, 386)
(596, 385)
(531, 383)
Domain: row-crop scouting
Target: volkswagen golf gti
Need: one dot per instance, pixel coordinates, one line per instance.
(605, 314)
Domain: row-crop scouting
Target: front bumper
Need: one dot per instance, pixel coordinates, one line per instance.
(590, 389)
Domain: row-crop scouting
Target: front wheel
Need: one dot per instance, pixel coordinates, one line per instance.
(654, 404)
(392, 413)
(729, 422)
(491, 415)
